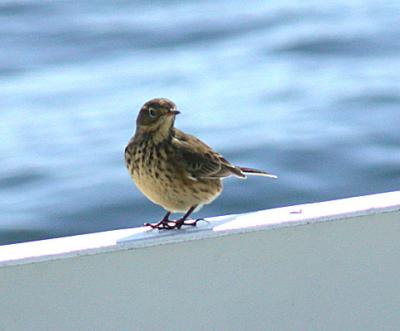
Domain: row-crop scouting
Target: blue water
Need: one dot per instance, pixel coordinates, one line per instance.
(309, 90)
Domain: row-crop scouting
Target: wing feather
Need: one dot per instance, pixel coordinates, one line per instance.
(199, 160)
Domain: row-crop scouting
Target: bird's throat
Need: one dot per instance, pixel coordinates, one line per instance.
(157, 134)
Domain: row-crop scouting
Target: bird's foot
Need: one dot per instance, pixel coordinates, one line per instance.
(180, 222)
(193, 222)
(162, 225)
(170, 225)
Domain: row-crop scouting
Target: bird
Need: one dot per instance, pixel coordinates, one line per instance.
(173, 169)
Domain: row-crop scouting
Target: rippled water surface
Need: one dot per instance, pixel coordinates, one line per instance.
(309, 90)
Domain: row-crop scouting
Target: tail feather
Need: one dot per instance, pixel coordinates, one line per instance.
(256, 172)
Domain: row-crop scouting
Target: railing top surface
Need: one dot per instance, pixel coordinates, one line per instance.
(95, 243)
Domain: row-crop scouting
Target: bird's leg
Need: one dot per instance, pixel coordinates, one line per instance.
(167, 224)
(182, 221)
(163, 224)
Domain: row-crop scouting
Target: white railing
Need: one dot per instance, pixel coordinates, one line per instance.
(324, 266)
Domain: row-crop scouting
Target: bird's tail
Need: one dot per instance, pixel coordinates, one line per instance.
(256, 172)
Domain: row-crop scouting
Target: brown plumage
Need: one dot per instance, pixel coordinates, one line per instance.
(173, 169)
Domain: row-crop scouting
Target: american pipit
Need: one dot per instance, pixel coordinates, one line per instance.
(173, 169)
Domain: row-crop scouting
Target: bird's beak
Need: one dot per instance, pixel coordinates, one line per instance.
(173, 113)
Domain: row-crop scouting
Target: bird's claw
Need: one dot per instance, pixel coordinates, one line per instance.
(193, 222)
(170, 225)
(163, 225)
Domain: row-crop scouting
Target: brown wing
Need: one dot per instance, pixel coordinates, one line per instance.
(199, 160)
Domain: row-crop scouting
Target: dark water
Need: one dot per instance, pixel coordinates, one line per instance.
(309, 90)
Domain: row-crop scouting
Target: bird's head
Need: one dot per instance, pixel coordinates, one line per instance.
(157, 116)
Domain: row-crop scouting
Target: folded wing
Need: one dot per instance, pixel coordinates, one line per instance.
(200, 161)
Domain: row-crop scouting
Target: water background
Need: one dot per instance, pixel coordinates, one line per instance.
(309, 90)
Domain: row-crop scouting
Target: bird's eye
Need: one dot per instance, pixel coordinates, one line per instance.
(152, 113)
